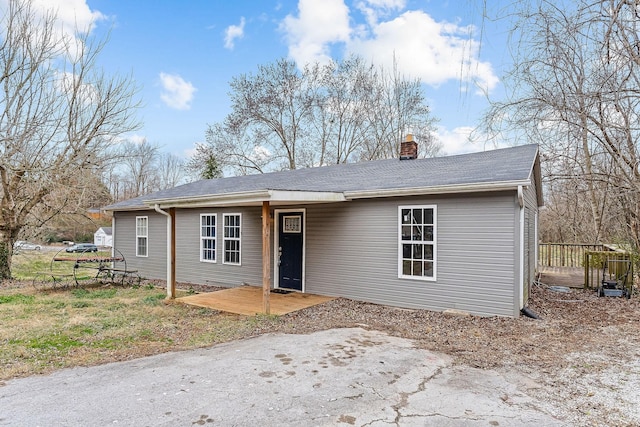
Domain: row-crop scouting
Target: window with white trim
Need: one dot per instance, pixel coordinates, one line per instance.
(142, 236)
(231, 238)
(208, 237)
(417, 242)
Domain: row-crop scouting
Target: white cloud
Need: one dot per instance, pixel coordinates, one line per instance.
(72, 14)
(191, 151)
(177, 93)
(466, 139)
(232, 33)
(70, 85)
(317, 26)
(456, 141)
(386, 4)
(435, 52)
(73, 17)
(121, 139)
(260, 153)
(137, 139)
(373, 9)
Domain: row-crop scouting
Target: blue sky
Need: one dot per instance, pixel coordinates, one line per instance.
(184, 53)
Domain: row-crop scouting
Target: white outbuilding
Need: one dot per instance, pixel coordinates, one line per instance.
(103, 237)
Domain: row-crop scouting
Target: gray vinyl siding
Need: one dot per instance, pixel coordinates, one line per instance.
(352, 251)
(154, 265)
(190, 269)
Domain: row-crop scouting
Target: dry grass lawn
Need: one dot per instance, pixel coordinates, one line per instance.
(45, 331)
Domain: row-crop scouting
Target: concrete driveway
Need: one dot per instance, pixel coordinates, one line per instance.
(336, 377)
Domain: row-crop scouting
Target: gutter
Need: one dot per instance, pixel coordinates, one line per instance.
(170, 278)
(521, 284)
(442, 189)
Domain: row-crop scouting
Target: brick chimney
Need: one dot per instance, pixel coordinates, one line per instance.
(408, 148)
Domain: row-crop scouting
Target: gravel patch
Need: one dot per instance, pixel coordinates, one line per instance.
(582, 358)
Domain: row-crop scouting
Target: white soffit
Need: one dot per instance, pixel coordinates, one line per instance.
(276, 197)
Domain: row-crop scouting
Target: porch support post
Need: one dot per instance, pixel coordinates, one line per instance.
(266, 257)
(171, 250)
(172, 256)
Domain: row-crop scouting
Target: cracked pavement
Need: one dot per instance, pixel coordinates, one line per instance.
(334, 377)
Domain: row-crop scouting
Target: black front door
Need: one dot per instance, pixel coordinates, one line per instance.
(290, 250)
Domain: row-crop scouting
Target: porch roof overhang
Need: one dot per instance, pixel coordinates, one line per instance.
(249, 198)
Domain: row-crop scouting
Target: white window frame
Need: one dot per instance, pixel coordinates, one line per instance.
(213, 238)
(432, 242)
(226, 239)
(142, 232)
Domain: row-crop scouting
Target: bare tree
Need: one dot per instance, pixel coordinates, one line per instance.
(58, 116)
(284, 118)
(171, 171)
(204, 164)
(139, 168)
(397, 106)
(574, 89)
(272, 107)
(234, 149)
(339, 124)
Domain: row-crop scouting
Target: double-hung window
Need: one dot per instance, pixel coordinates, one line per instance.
(231, 238)
(142, 236)
(208, 237)
(417, 242)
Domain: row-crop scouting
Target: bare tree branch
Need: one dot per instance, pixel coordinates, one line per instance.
(58, 117)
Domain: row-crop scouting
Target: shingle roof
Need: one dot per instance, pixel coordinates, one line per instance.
(107, 230)
(495, 166)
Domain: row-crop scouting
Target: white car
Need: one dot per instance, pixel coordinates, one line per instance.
(26, 246)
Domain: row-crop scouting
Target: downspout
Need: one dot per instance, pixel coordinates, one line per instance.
(535, 233)
(526, 310)
(170, 292)
(113, 235)
(521, 254)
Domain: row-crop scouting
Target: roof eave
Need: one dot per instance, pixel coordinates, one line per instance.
(441, 189)
(116, 208)
(285, 197)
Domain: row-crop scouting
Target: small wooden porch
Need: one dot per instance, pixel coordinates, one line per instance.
(571, 277)
(578, 265)
(247, 300)
(232, 302)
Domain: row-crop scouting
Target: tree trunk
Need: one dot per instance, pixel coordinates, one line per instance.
(6, 252)
(593, 200)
